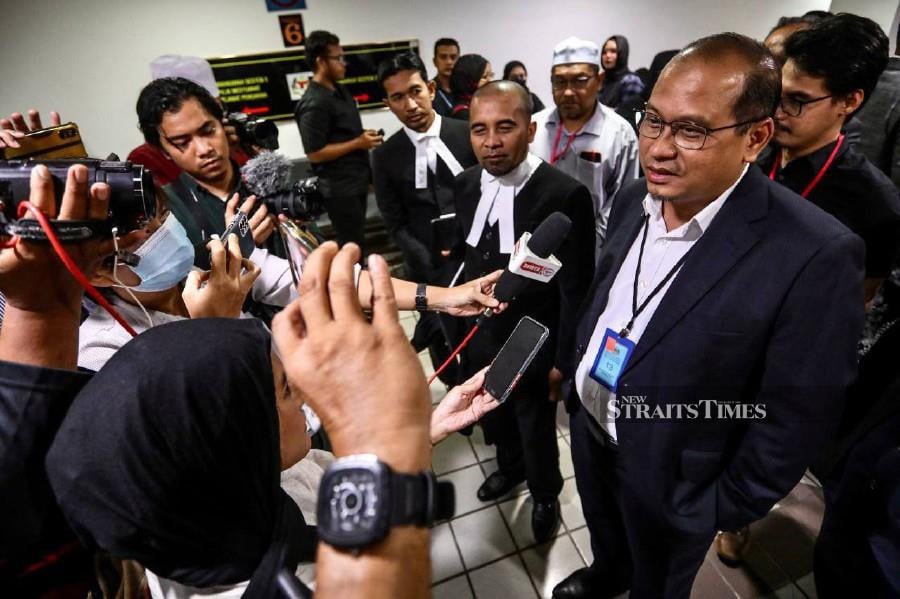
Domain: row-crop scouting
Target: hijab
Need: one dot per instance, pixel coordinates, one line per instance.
(612, 79)
(170, 456)
(464, 79)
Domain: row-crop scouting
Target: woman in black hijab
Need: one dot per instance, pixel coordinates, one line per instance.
(516, 71)
(619, 84)
(171, 456)
(469, 73)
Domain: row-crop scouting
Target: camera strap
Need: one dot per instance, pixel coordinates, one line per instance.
(68, 231)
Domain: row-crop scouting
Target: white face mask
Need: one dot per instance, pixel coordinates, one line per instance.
(166, 257)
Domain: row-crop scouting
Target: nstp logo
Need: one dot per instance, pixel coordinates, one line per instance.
(543, 271)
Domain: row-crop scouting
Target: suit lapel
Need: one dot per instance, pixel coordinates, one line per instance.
(724, 243)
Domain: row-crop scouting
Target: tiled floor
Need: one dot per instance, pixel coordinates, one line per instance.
(487, 550)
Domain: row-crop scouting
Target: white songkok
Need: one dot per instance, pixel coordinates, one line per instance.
(576, 51)
(192, 68)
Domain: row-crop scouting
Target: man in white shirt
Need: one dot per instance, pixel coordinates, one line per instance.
(581, 136)
(712, 356)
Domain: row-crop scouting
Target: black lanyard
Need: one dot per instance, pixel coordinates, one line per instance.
(635, 309)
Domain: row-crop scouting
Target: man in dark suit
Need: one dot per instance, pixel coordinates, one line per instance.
(510, 193)
(415, 168)
(413, 173)
(714, 352)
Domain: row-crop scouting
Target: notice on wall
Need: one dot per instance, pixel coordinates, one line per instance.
(269, 84)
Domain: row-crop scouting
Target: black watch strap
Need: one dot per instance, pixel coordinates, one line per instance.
(420, 499)
(421, 300)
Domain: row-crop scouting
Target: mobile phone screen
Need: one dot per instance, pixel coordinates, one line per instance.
(514, 357)
(240, 226)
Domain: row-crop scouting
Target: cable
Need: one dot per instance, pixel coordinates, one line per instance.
(70, 264)
(455, 351)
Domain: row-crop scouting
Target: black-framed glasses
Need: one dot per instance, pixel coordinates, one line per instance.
(794, 107)
(341, 58)
(688, 135)
(576, 83)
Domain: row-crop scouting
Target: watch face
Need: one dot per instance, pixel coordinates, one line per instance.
(353, 508)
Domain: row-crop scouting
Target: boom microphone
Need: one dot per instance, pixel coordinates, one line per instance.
(267, 174)
(546, 239)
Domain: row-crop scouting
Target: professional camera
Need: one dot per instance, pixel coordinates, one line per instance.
(132, 199)
(304, 200)
(253, 131)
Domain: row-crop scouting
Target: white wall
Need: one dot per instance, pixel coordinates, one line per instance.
(89, 59)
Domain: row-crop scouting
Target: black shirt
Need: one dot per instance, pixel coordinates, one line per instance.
(327, 116)
(443, 100)
(853, 191)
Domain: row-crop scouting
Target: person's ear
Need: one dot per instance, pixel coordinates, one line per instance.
(432, 89)
(852, 102)
(758, 138)
(532, 128)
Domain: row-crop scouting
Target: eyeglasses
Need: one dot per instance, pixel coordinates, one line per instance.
(688, 136)
(576, 83)
(340, 58)
(793, 106)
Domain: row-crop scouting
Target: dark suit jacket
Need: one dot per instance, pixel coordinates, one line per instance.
(766, 310)
(408, 211)
(555, 305)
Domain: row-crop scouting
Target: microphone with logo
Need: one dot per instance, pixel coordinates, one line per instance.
(532, 261)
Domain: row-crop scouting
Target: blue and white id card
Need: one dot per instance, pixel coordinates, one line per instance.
(611, 360)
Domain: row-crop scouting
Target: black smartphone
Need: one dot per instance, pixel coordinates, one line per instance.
(240, 226)
(514, 357)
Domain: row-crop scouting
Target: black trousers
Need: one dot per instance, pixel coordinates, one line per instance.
(348, 216)
(627, 540)
(524, 431)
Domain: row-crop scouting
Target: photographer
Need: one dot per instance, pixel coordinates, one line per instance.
(334, 139)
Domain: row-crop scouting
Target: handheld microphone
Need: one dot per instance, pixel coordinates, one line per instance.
(545, 240)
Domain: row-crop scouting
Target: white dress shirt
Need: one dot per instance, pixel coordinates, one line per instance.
(429, 146)
(662, 252)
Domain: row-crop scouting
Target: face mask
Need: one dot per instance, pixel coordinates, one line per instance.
(166, 257)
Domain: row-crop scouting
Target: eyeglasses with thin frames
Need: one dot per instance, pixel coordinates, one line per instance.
(794, 107)
(688, 135)
(576, 83)
(341, 58)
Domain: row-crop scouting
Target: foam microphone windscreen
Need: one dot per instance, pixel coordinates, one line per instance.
(267, 174)
(545, 240)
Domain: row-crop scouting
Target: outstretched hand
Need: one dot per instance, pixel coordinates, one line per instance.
(463, 406)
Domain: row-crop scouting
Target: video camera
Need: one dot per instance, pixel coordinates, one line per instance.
(253, 131)
(132, 201)
(304, 200)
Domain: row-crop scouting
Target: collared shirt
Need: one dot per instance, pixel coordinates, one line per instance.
(498, 194)
(854, 192)
(603, 156)
(418, 138)
(662, 252)
(325, 116)
(429, 146)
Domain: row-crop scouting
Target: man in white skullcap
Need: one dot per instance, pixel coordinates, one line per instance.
(579, 135)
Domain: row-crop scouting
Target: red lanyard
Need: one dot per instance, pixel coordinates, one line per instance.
(554, 157)
(819, 175)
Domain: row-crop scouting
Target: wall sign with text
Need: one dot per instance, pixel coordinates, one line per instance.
(269, 84)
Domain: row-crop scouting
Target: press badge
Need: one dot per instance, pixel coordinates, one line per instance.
(615, 351)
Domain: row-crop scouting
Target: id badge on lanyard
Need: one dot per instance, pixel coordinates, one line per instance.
(611, 360)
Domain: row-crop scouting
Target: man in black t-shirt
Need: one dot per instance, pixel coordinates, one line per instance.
(823, 84)
(334, 139)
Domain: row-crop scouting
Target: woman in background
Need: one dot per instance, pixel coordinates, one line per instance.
(515, 71)
(470, 72)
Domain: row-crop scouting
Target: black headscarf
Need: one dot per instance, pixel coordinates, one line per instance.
(464, 79)
(170, 456)
(612, 79)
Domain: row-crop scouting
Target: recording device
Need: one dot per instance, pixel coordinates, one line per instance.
(132, 201)
(240, 226)
(253, 131)
(514, 358)
(539, 246)
(268, 177)
(59, 141)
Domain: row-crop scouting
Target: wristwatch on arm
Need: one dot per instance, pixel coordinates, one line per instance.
(361, 499)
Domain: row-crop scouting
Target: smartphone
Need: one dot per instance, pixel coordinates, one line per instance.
(61, 141)
(514, 357)
(300, 243)
(240, 226)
